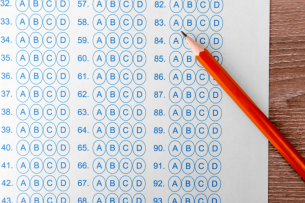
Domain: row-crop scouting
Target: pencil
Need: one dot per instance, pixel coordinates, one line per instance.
(244, 102)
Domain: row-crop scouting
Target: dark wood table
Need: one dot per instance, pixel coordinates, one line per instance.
(287, 95)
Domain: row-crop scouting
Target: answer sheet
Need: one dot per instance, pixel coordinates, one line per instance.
(102, 101)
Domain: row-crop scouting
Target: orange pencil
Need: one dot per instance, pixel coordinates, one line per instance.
(248, 106)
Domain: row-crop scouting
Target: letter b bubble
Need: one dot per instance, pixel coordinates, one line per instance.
(36, 183)
(188, 166)
(188, 148)
(36, 165)
(189, 6)
(189, 22)
(113, 5)
(35, 5)
(37, 198)
(112, 183)
(112, 148)
(187, 184)
(113, 22)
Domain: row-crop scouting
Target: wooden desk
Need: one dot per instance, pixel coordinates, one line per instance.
(287, 95)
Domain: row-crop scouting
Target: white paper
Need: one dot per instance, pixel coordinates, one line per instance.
(137, 119)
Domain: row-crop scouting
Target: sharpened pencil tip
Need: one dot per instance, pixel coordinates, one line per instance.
(185, 35)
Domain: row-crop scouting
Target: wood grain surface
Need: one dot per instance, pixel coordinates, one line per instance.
(287, 95)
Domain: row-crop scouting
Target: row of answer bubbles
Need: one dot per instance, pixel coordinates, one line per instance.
(127, 198)
(188, 184)
(49, 130)
(113, 22)
(189, 77)
(113, 76)
(188, 59)
(49, 165)
(201, 130)
(49, 94)
(61, 198)
(112, 130)
(176, 40)
(49, 112)
(49, 76)
(188, 148)
(48, 58)
(36, 22)
(113, 183)
(113, 94)
(202, 23)
(126, 58)
(189, 113)
(37, 183)
(176, 198)
(48, 40)
(49, 148)
(125, 112)
(124, 5)
(188, 166)
(201, 95)
(113, 40)
(125, 148)
(113, 166)
(47, 5)
(202, 6)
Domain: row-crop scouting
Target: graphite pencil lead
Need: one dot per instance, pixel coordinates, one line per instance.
(185, 35)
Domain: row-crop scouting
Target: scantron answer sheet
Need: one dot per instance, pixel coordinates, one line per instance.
(102, 101)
